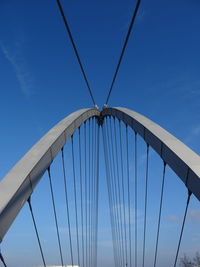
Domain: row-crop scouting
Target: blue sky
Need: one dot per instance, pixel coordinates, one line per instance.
(41, 82)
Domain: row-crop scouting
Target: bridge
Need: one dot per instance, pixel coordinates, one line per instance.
(120, 129)
(109, 172)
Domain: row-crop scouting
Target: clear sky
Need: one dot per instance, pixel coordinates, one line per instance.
(41, 82)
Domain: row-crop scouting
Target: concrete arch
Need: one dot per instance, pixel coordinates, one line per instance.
(182, 160)
(18, 184)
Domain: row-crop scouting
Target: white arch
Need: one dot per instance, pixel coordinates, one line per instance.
(18, 184)
(183, 161)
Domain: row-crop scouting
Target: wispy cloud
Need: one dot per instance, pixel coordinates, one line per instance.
(16, 58)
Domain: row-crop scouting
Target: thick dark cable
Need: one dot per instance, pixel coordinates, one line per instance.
(2, 259)
(129, 201)
(182, 228)
(145, 208)
(75, 49)
(123, 49)
(160, 211)
(135, 199)
(36, 231)
(81, 190)
(119, 192)
(75, 201)
(67, 206)
(55, 216)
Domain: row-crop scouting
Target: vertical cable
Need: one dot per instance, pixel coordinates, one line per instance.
(81, 189)
(135, 199)
(2, 259)
(117, 195)
(160, 211)
(67, 206)
(123, 193)
(97, 194)
(75, 200)
(119, 192)
(111, 184)
(129, 202)
(109, 193)
(145, 209)
(86, 211)
(36, 231)
(55, 215)
(182, 228)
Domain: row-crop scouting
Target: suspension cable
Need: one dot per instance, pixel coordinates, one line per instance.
(145, 208)
(86, 193)
(97, 193)
(67, 206)
(109, 193)
(123, 193)
(2, 259)
(75, 201)
(135, 199)
(75, 49)
(81, 189)
(114, 190)
(160, 211)
(123, 49)
(36, 230)
(129, 202)
(119, 193)
(116, 175)
(183, 224)
(55, 215)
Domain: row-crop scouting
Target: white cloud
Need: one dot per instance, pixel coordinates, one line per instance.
(16, 59)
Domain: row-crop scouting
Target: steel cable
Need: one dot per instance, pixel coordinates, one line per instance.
(109, 193)
(67, 206)
(55, 216)
(36, 230)
(112, 163)
(123, 49)
(160, 211)
(75, 201)
(182, 228)
(81, 190)
(135, 199)
(129, 202)
(145, 208)
(75, 49)
(119, 192)
(123, 193)
(2, 259)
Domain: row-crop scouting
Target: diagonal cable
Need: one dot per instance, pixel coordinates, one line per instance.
(123, 49)
(182, 228)
(75, 49)
(75, 201)
(55, 216)
(67, 206)
(36, 230)
(2, 259)
(160, 211)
